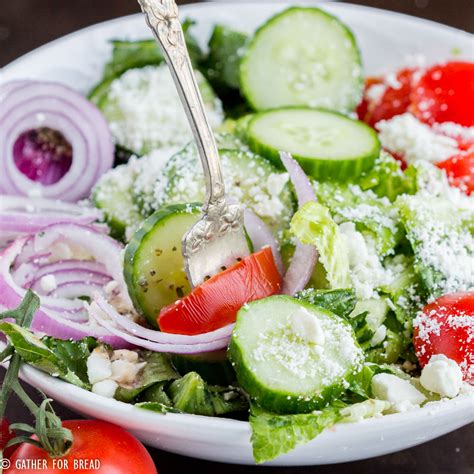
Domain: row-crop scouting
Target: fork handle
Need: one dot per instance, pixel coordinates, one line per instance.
(162, 17)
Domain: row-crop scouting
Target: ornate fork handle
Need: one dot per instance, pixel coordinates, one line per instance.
(162, 18)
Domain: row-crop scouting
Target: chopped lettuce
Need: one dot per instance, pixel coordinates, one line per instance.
(191, 394)
(442, 242)
(274, 435)
(65, 359)
(371, 214)
(128, 54)
(313, 225)
(340, 302)
(386, 178)
(158, 369)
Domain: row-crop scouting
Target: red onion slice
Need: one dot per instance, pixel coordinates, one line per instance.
(21, 215)
(102, 319)
(46, 321)
(305, 257)
(133, 328)
(31, 105)
(103, 248)
(261, 236)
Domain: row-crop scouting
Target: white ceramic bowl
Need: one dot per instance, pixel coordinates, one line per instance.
(386, 39)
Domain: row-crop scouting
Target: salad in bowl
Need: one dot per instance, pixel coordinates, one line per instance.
(357, 297)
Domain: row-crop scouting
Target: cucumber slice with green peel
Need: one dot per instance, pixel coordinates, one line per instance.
(112, 194)
(327, 145)
(302, 56)
(249, 178)
(153, 265)
(292, 357)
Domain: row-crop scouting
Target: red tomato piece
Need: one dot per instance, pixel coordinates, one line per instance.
(445, 93)
(460, 171)
(446, 326)
(363, 108)
(98, 448)
(394, 100)
(215, 303)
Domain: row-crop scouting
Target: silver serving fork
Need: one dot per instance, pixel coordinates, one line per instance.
(218, 239)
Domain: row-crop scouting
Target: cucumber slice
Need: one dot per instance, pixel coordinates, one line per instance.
(153, 266)
(249, 179)
(112, 194)
(292, 357)
(326, 144)
(302, 56)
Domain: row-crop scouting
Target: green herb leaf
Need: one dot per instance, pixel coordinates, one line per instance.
(340, 302)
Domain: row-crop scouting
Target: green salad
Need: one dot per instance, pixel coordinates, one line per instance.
(347, 246)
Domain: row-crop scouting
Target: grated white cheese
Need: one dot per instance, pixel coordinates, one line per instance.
(293, 353)
(367, 271)
(145, 112)
(407, 136)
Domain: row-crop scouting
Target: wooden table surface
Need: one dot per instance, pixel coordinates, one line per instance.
(26, 24)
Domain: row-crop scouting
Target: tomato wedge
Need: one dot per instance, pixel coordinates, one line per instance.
(215, 303)
(394, 100)
(446, 326)
(460, 171)
(445, 93)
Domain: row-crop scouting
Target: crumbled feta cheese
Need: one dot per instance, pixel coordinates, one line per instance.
(98, 365)
(105, 388)
(396, 390)
(48, 283)
(442, 376)
(367, 272)
(306, 326)
(146, 112)
(125, 372)
(379, 336)
(125, 354)
(407, 136)
(365, 409)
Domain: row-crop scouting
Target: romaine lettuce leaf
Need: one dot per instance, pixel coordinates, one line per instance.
(386, 178)
(370, 213)
(158, 369)
(313, 225)
(274, 435)
(340, 302)
(442, 242)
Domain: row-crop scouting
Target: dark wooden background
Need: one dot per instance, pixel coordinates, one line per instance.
(26, 24)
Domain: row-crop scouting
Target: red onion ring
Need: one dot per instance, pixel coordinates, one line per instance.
(27, 105)
(101, 317)
(305, 257)
(103, 248)
(261, 236)
(46, 321)
(20, 215)
(133, 328)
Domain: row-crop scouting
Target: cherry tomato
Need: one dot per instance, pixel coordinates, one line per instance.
(446, 326)
(98, 448)
(445, 93)
(460, 171)
(394, 100)
(5, 436)
(215, 303)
